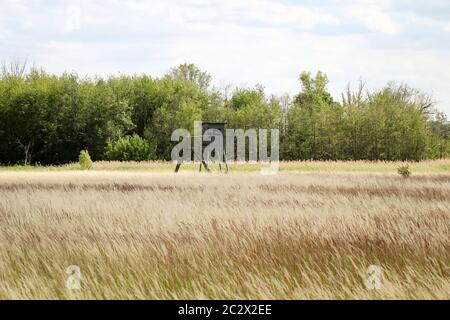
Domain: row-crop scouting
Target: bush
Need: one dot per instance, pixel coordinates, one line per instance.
(85, 160)
(404, 171)
(130, 148)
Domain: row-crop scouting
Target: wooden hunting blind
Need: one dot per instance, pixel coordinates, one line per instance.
(208, 136)
(218, 128)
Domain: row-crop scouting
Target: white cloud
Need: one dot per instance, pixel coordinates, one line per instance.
(375, 19)
(427, 22)
(73, 19)
(264, 12)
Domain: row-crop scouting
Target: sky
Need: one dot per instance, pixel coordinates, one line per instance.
(239, 42)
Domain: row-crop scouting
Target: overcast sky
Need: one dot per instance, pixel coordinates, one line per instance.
(237, 41)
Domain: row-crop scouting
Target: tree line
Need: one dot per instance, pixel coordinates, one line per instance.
(48, 119)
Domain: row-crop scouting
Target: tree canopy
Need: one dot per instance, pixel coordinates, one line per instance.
(49, 119)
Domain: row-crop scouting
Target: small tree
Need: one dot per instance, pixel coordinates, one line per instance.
(404, 171)
(85, 160)
(130, 148)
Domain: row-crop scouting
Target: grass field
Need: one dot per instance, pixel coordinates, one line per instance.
(309, 232)
(431, 166)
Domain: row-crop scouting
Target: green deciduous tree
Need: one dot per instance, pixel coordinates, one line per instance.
(48, 119)
(192, 74)
(130, 148)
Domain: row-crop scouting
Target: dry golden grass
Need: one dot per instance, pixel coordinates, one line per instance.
(242, 235)
(428, 166)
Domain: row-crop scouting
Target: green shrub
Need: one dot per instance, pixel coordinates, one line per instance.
(130, 148)
(404, 171)
(85, 160)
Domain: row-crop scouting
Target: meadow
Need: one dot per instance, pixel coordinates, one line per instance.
(138, 231)
(427, 166)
